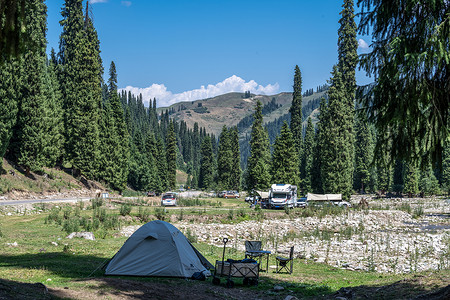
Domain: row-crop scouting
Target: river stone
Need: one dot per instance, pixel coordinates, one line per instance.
(84, 235)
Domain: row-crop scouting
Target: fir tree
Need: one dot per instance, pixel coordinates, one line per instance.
(10, 92)
(114, 137)
(307, 158)
(205, 179)
(81, 86)
(225, 159)
(428, 183)
(29, 138)
(171, 156)
(411, 179)
(296, 110)
(446, 167)
(316, 176)
(363, 154)
(54, 146)
(259, 160)
(235, 179)
(284, 167)
(336, 153)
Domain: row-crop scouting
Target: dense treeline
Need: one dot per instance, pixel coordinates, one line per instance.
(58, 111)
(350, 151)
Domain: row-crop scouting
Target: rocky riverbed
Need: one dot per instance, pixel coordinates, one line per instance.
(382, 239)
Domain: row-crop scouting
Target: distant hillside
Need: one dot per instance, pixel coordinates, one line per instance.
(227, 109)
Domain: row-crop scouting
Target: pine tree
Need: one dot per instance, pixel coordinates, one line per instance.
(224, 159)
(205, 179)
(259, 160)
(411, 179)
(428, 183)
(307, 158)
(54, 142)
(316, 175)
(284, 167)
(296, 110)
(114, 137)
(363, 154)
(29, 138)
(171, 156)
(10, 92)
(81, 86)
(235, 179)
(337, 159)
(446, 167)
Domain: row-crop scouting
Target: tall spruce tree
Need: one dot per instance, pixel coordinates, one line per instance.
(320, 137)
(307, 158)
(205, 179)
(171, 143)
(446, 167)
(10, 74)
(296, 110)
(81, 85)
(115, 140)
(411, 179)
(363, 154)
(225, 159)
(337, 159)
(54, 142)
(29, 138)
(235, 179)
(284, 166)
(259, 161)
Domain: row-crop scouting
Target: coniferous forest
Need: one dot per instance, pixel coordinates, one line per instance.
(57, 111)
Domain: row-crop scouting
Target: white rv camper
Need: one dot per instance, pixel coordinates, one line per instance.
(282, 195)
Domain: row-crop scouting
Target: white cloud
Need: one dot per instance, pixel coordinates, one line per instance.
(126, 3)
(97, 1)
(362, 45)
(231, 84)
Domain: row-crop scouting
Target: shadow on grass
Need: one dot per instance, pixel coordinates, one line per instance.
(66, 265)
(18, 290)
(85, 270)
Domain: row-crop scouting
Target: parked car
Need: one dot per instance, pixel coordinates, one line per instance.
(168, 199)
(343, 204)
(221, 194)
(151, 194)
(231, 194)
(301, 202)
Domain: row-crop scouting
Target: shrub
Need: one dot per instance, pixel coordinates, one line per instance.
(191, 236)
(96, 202)
(161, 213)
(71, 225)
(144, 214)
(67, 212)
(125, 209)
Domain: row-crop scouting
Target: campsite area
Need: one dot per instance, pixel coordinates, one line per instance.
(38, 261)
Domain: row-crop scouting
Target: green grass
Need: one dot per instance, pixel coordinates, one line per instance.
(36, 259)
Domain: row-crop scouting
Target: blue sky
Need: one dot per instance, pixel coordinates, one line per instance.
(178, 50)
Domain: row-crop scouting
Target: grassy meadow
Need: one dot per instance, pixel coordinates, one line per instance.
(35, 250)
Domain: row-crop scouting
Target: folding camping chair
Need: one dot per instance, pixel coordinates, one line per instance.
(252, 249)
(283, 262)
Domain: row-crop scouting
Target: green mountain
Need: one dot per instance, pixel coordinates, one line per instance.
(232, 108)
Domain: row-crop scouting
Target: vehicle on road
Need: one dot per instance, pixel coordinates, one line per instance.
(301, 202)
(168, 199)
(282, 195)
(151, 194)
(231, 194)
